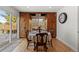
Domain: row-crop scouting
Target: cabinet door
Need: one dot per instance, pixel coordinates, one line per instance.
(51, 23)
(24, 24)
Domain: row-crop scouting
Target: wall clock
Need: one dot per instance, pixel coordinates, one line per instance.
(62, 18)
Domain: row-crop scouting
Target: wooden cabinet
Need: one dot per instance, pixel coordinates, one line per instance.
(51, 23)
(24, 23)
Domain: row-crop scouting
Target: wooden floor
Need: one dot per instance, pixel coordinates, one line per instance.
(57, 47)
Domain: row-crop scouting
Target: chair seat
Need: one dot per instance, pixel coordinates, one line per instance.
(41, 44)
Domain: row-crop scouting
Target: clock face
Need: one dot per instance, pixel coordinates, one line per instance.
(62, 18)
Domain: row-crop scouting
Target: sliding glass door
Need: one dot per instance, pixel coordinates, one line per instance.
(4, 26)
(8, 26)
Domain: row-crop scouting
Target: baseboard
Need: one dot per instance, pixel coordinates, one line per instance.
(75, 50)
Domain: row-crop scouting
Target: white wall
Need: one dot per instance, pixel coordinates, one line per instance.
(78, 28)
(67, 32)
(13, 12)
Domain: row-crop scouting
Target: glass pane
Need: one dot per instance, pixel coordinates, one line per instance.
(7, 25)
(4, 24)
(14, 28)
(4, 28)
(39, 22)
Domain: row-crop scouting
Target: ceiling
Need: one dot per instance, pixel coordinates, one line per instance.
(38, 8)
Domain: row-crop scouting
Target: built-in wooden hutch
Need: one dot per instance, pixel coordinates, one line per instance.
(26, 16)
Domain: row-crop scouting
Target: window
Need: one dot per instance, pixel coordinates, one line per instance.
(4, 28)
(4, 24)
(8, 29)
(14, 30)
(41, 21)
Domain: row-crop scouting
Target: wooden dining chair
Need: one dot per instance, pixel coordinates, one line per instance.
(50, 41)
(41, 40)
(28, 40)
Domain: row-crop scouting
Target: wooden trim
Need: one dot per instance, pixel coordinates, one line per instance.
(66, 44)
(38, 12)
